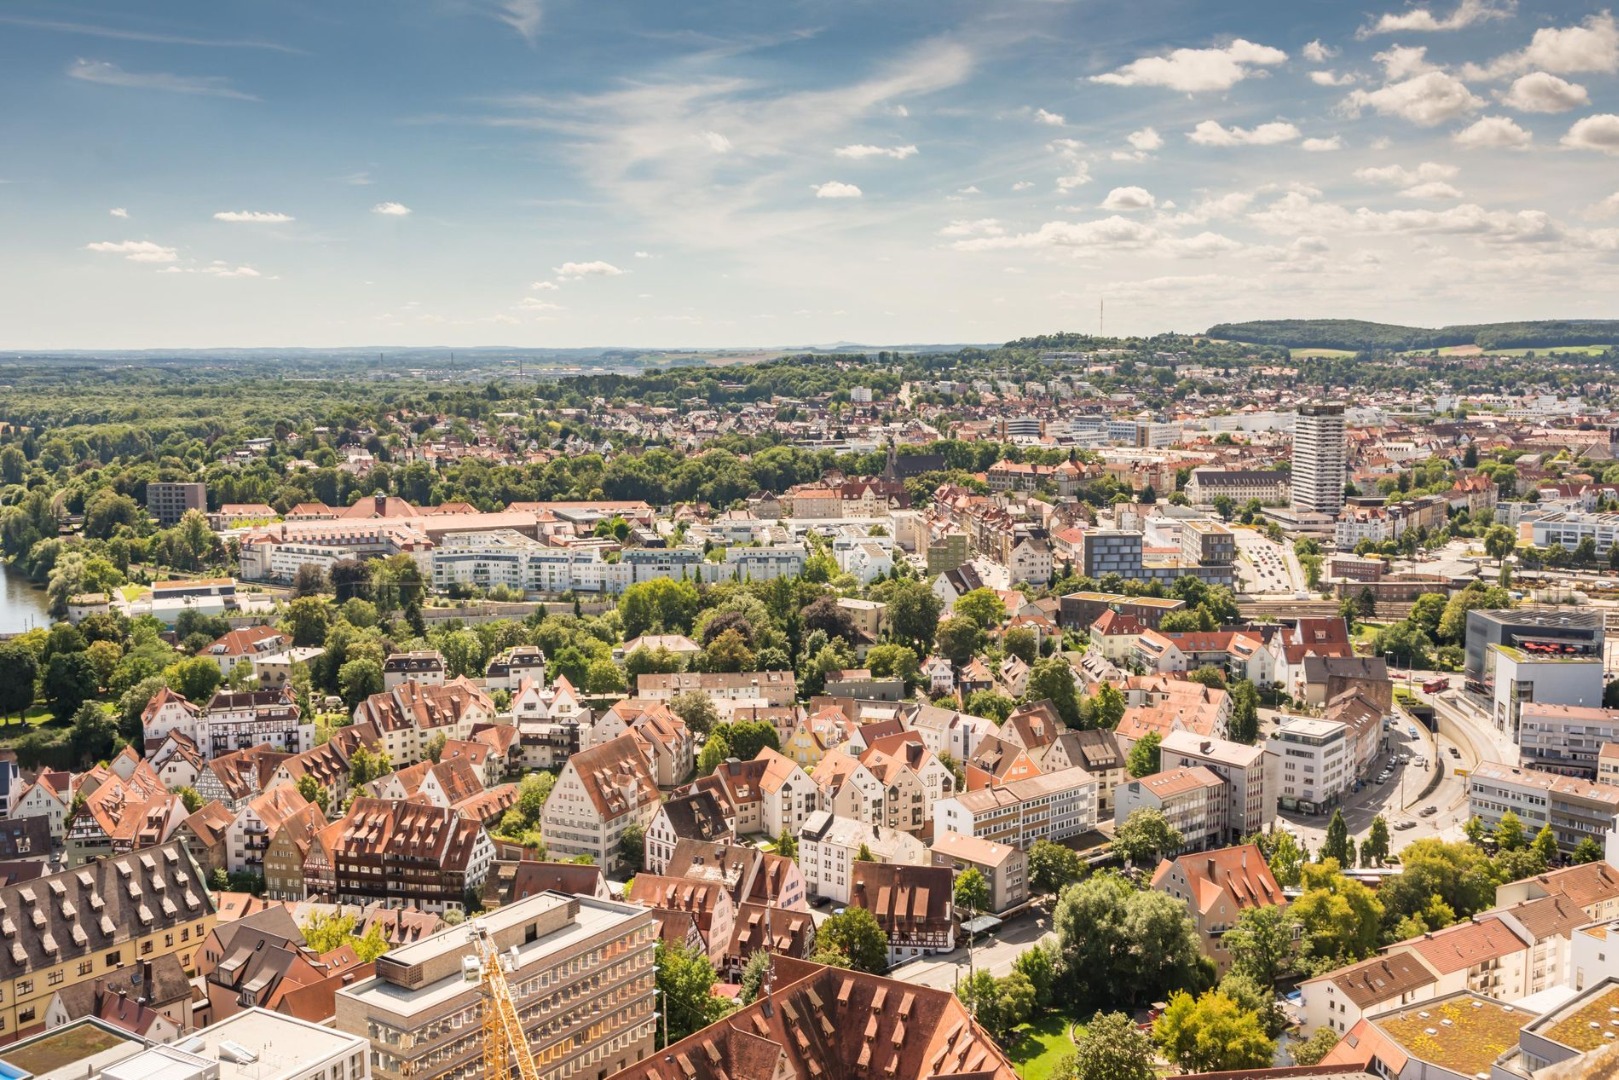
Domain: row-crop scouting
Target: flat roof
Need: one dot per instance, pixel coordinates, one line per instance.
(594, 917)
(1464, 1033)
(1588, 1022)
(85, 1045)
(285, 1045)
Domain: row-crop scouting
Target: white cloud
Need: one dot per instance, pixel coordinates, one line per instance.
(1403, 61)
(1400, 176)
(1041, 116)
(570, 271)
(1599, 132)
(142, 251)
(1426, 100)
(1607, 208)
(643, 254)
(1211, 133)
(716, 142)
(1127, 199)
(1433, 189)
(1331, 78)
(1323, 146)
(980, 227)
(970, 189)
(534, 303)
(108, 74)
(862, 150)
(1422, 19)
(545, 286)
(391, 209)
(225, 271)
(1112, 232)
(835, 189)
(1023, 185)
(1542, 92)
(1317, 53)
(1079, 171)
(118, 212)
(1493, 133)
(524, 16)
(1570, 50)
(1145, 140)
(1196, 70)
(253, 217)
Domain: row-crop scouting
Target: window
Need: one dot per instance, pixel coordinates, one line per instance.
(25, 987)
(25, 1016)
(86, 966)
(114, 959)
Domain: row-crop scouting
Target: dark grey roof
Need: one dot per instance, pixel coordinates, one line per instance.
(77, 913)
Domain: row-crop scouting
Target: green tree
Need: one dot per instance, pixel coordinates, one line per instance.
(990, 704)
(1338, 919)
(1337, 845)
(661, 605)
(1051, 867)
(787, 844)
(1115, 940)
(1108, 706)
(685, 981)
(913, 612)
(1287, 859)
(1544, 845)
(189, 799)
(1310, 1051)
(958, 640)
(307, 620)
(1021, 642)
(632, 846)
(70, 680)
(1144, 756)
(1509, 832)
(697, 709)
(1586, 851)
(893, 661)
(1473, 828)
(95, 736)
(983, 606)
(194, 678)
(999, 1005)
(1377, 841)
(312, 792)
(19, 668)
(604, 677)
(753, 976)
(971, 892)
(1112, 1048)
(1052, 679)
(358, 680)
(1244, 725)
(1261, 944)
(1145, 836)
(856, 934)
(1210, 1034)
(728, 652)
(715, 750)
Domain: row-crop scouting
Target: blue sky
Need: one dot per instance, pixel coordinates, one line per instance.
(735, 172)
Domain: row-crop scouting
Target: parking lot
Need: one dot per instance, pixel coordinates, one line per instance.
(1265, 568)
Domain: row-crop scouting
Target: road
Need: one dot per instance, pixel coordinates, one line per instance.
(993, 952)
(1266, 568)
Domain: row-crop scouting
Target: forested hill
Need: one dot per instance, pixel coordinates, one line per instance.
(1358, 336)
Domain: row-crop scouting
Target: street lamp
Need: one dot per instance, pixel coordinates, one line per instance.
(663, 1013)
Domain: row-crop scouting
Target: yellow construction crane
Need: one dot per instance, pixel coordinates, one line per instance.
(503, 1037)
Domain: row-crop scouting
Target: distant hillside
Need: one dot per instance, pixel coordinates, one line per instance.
(1358, 336)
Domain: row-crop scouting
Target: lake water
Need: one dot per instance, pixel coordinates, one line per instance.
(22, 606)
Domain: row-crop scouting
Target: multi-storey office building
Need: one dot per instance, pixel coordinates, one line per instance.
(582, 980)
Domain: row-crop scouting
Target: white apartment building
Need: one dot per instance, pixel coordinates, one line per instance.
(1576, 809)
(1249, 773)
(1051, 806)
(1320, 453)
(1314, 763)
(1565, 738)
(1192, 799)
(829, 846)
(1522, 677)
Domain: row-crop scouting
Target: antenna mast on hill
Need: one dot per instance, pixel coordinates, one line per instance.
(1101, 317)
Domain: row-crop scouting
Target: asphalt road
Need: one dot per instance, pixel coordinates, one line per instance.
(993, 952)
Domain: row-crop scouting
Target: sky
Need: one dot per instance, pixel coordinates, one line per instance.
(732, 173)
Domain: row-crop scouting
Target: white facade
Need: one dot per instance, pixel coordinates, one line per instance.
(829, 846)
(1319, 455)
(1521, 677)
(1314, 762)
(1249, 773)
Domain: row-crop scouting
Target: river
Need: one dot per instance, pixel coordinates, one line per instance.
(22, 606)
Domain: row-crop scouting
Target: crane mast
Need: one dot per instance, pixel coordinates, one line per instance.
(503, 1037)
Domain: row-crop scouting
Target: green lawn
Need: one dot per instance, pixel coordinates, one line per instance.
(38, 716)
(1319, 354)
(1041, 1047)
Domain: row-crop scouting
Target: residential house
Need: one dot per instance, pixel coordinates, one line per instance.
(912, 904)
(599, 793)
(1004, 867)
(1217, 887)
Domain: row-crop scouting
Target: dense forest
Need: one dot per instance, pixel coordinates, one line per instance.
(1355, 335)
